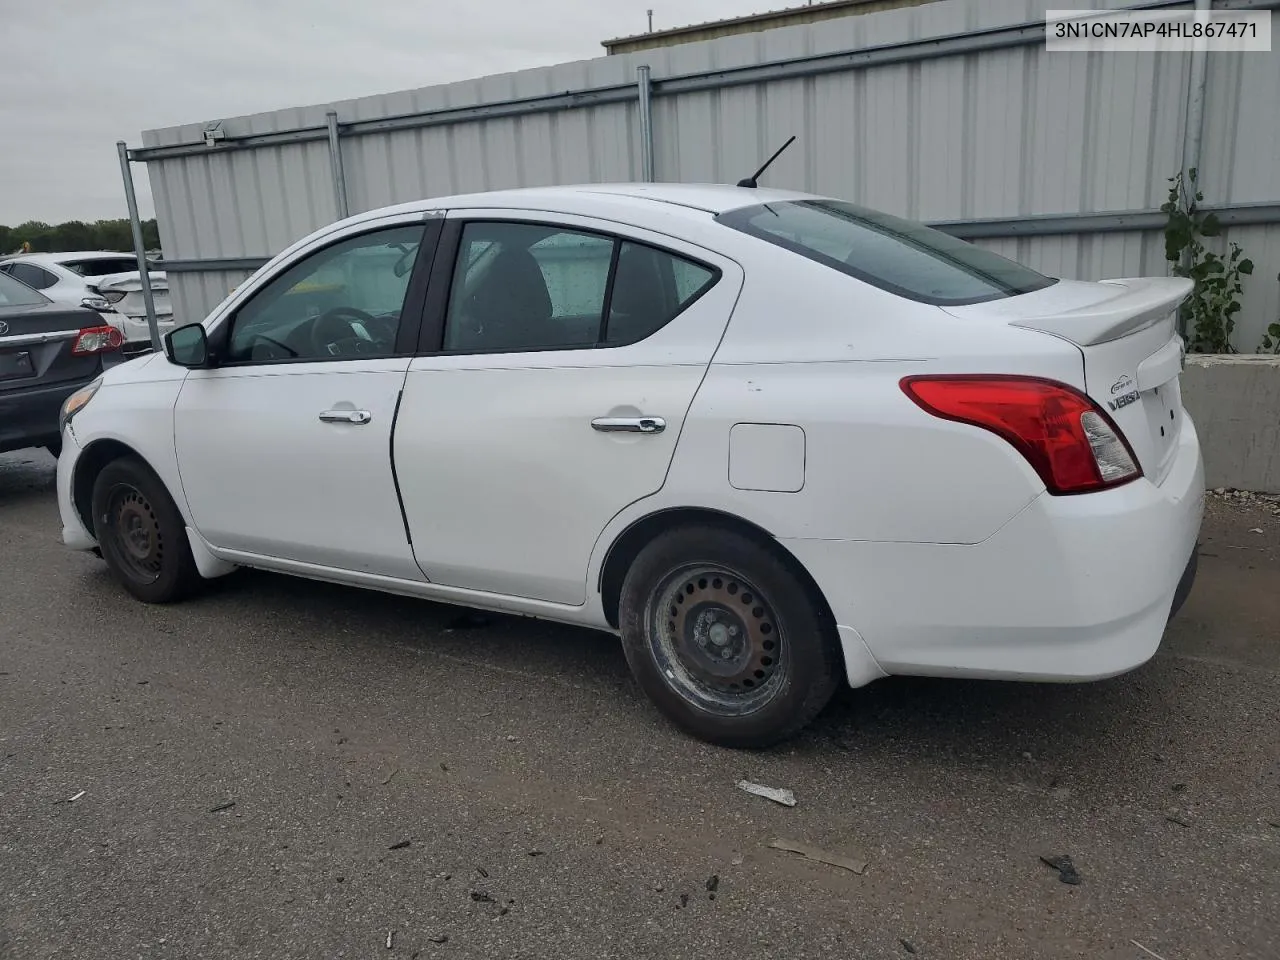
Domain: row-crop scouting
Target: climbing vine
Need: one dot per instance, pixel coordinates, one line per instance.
(1209, 313)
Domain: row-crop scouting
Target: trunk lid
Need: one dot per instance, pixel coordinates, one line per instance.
(130, 285)
(1126, 331)
(35, 346)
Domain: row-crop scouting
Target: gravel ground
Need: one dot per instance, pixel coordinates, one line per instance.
(400, 774)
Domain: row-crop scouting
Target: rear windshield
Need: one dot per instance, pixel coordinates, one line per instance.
(15, 294)
(103, 266)
(900, 256)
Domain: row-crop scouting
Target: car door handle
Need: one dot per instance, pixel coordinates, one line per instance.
(629, 424)
(357, 417)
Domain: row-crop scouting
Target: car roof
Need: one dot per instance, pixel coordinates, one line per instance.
(66, 256)
(690, 199)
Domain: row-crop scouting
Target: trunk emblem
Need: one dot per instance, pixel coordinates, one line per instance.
(4, 328)
(1121, 385)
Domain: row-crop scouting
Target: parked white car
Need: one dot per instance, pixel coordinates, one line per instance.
(773, 440)
(107, 282)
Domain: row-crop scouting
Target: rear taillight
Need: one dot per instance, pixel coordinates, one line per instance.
(96, 340)
(1071, 443)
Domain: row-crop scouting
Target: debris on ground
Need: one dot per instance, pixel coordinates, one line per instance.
(1257, 530)
(1067, 872)
(401, 845)
(907, 945)
(391, 936)
(713, 883)
(76, 797)
(222, 806)
(537, 853)
(444, 767)
(483, 872)
(1174, 818)
(390, 776)
(736, 860)
(1146, 950)
(776, 794)
(439, 938)
(818, 855)
(479, 896)
(684, 900)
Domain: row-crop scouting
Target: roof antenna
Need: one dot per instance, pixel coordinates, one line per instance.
(753, 180)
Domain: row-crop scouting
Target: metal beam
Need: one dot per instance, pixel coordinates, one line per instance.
(213, 263)
(1122, 221)
(1041, 225)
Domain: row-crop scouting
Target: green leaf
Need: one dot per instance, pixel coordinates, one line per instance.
(1245, 266)
(1210, 226)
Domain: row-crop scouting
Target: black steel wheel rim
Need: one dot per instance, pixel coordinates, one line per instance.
(133, 534)
(716, 639)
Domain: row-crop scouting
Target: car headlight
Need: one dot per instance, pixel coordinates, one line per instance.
(76, 402)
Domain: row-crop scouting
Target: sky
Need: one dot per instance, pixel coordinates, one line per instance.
(81, 74)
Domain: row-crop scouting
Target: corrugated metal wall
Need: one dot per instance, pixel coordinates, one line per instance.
(1012, 132)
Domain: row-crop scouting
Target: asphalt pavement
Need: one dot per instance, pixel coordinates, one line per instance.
(282, 768)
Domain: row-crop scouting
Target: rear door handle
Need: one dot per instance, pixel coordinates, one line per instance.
(629, 424)
(357, 417)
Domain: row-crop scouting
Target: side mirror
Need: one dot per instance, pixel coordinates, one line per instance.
(188, 346)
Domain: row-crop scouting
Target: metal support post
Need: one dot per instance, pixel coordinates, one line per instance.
(646, 123)
(139, 248)
(335, 165)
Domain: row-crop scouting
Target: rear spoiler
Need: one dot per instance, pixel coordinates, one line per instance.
(1138, 303)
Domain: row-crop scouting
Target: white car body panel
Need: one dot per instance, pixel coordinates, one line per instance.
(263, 475)
(487, 508)
(934, 543)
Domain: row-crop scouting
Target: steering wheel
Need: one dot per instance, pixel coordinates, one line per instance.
(333, 330)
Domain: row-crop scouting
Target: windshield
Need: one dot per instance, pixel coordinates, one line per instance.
(16, 294)
(900, 256)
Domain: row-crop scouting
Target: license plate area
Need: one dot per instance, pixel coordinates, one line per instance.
(15, 365)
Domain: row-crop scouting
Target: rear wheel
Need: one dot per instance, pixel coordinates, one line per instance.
(141, 533)
(725, 639)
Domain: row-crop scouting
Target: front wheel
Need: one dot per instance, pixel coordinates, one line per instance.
(726, 639)
(141, 533)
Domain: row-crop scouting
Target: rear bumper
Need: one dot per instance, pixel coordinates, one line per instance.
(1072, 588)
(29, 415)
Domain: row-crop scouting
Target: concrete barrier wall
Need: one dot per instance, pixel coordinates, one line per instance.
(1235, 403)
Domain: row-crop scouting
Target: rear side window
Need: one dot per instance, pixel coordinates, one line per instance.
(32, 276)
(104, 266)
(524, 286)
(901, 256)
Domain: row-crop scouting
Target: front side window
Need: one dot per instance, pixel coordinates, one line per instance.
(522, 286)
(15, 294)
(340, 303)
(901, 256)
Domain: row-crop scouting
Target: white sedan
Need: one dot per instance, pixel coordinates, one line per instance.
(773, 440)
(107, 282)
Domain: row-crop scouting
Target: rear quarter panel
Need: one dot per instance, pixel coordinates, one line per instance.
(811, 347)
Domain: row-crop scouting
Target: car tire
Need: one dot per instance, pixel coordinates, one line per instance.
(142, 535)
(726, 639)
